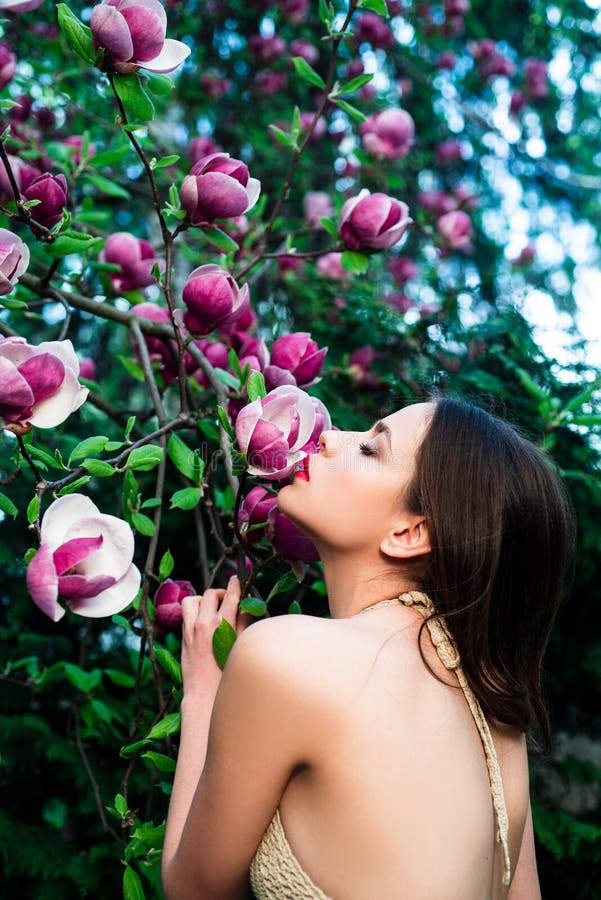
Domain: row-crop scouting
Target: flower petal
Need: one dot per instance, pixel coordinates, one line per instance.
(111, 601)
(117, 550)
(62, 515)
(16, 395)
(44, 373)
(72, 552)
(147, 32)
(42, 583)
(54, 410)
(78, 587)
(110, 30)
(171, 56)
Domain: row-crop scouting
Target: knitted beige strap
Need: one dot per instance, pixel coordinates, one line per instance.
(449, 657)
(275, 872)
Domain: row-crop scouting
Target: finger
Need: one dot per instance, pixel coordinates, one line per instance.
(210, 600)
(243, 621)
(231, 599)
(190, 610)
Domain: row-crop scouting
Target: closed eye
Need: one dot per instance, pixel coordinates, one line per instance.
(366, 450)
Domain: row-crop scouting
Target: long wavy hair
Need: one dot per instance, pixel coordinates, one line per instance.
(501, 532)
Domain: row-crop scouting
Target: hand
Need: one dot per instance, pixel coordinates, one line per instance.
(201, 616)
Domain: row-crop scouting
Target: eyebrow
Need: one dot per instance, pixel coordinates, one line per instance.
(381, 428)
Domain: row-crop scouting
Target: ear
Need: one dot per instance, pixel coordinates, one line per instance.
(408, 540)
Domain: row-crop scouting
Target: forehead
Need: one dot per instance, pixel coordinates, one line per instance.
(407, 425)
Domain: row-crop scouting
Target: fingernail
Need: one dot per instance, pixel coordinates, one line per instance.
(233, 578)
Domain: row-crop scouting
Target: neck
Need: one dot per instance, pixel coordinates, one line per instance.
(355, 583)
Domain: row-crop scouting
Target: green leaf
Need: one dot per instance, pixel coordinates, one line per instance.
(282, 137)
(354, 262)
(79, 678)
(351, 111)
(133, 96)
(89, 447)
(586, 420)
(151, 503)
(220, 239)
(227, 378)
(77, 35)
(283, 584)
(185, 460)
(120, 804)
(8, 104)
(307, 72)
(224, 638)
(162, 762)
(294, 609)
(165, 161)
(128, 428)
(150, 835)
(255, 386)
(98, 467)
(41, 456)
(7, 506)
(582, 396)
(209, 429)
(186, 498)
(73, 242)
(378, 6)
(225, 422)
(132, 749)
(74, 486)
(132, 886)
(122, 621)
(106, 186)
(166, 565)
(142, 524)
(110, 157)
(7, 303)
(355, 84)
(296, 124)
(329, 226)
(170, 665)
(171, 724)
(254, 606)
(143, 459)
(159, 85)
(132, 368)
(33, 507)
(121, 679)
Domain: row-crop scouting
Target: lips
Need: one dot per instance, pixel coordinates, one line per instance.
(302, 471)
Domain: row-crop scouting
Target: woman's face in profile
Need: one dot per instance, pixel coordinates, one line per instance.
(356, 482)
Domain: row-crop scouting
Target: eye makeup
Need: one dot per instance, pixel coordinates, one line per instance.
(366, 450)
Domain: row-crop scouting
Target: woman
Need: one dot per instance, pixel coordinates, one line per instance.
(344, 759)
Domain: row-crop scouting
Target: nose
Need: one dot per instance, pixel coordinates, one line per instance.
(326, 442)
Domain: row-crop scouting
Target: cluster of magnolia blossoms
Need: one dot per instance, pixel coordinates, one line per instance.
(85, 559)
(38, 385)
(259, 517)
(277, 431)
(132, 34)
(136, 260)
(373, 221)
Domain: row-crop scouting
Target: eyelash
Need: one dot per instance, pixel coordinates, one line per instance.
(367, 450)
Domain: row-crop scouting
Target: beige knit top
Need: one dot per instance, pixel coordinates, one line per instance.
(276, 874)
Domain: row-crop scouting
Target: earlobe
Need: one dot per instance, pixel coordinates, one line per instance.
(410, 541)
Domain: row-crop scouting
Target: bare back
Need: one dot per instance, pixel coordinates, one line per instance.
(396, 799)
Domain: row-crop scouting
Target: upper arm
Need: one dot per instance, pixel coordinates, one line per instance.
(258, 735)
(525, 885)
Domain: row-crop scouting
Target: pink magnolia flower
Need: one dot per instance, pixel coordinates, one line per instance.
(52, 192)
(272, 431)
(537, 82)
(254, 513)
(269, 83)
(266, 49)
(373, 221)
(162, 352)
(288, 540)
(449, 152)
(517, 103)
(87, 369)
(136, 259)
(8, 65)
(370, 28)
(388, 134)
(85, 559)
(403, 269)
(24, 175)
(330, 266)
(218, 187)
(202, 146)
(323, 422)
(38, 385)
(437, 202)
(19, 6)
(215, 86)
(317, 205)
(400, 302)
(76, 141)
(168, 603)
(14, 259)
(216, 353)
(306, 50)
(294, 10)
(212, 298)
(132, 32)
(295, 359)
(455, 229)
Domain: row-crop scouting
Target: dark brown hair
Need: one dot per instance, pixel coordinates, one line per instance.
(501, 532)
